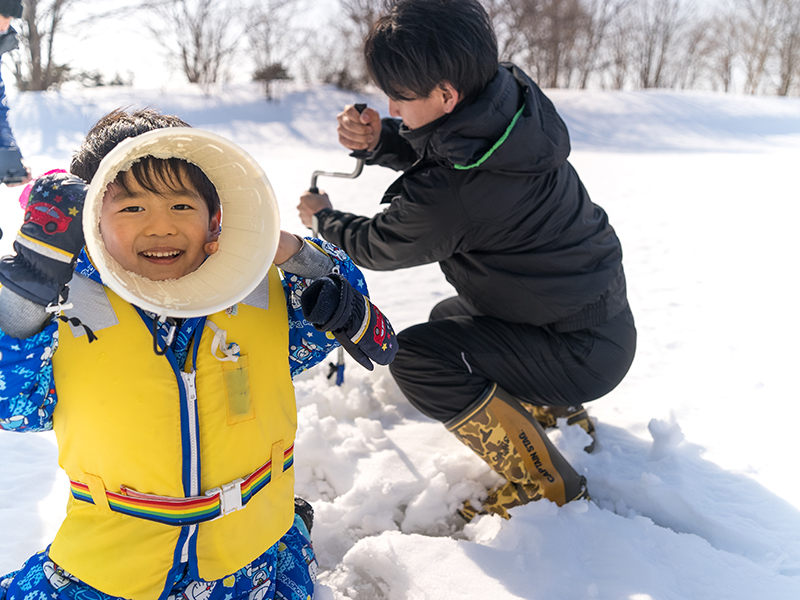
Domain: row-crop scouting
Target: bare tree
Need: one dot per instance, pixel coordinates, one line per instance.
(36, 68)
(759, 28)
(693, 52)
(197, 35)
(541, 35)
(618, 50)
(359, 15)
(509, 42)
(567, 19)
(600, 16)
(330, 60)
(724, 31)
(657, 25)
(273, 40)
(336, 56)
(512, 19)
(787, 45)
(561, 42)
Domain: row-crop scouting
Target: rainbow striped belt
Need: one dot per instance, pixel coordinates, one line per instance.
(215, 503)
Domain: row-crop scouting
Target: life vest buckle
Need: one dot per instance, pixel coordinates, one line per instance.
(230, 497)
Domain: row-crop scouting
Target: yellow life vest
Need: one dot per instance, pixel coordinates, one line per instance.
(124, 418)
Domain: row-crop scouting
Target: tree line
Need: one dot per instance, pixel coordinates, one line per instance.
(742, 46)
(749, 46)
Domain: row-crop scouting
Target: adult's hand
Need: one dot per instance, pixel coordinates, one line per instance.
(311, 204)
(359, 131)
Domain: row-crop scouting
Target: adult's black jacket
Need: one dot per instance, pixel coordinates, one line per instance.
(488, 193)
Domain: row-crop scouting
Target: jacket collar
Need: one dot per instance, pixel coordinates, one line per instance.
(419, 138)
(472, 127)
(510, 126)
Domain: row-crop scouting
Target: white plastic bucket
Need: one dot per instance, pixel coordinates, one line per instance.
(250, 225)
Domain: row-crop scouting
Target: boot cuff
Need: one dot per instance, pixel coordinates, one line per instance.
(467, 413)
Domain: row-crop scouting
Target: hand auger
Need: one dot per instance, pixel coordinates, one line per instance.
(360, 156)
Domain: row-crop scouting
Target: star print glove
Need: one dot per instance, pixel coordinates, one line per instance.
(49, 240)
(332, 304)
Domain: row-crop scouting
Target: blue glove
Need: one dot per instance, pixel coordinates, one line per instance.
(332, 304)
(49, 240)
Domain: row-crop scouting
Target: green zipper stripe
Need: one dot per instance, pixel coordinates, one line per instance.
(497, 144)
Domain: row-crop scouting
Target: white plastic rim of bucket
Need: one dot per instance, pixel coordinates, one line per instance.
(250, 225)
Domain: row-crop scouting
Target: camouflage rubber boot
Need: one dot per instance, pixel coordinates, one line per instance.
(503, 497)
(547, 416)
(499, 430)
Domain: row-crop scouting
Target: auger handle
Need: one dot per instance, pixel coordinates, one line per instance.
(360, 155)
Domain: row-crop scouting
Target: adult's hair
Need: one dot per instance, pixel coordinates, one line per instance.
(152, 174)
(421, 43)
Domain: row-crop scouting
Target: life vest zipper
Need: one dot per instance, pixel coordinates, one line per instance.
(194, 453)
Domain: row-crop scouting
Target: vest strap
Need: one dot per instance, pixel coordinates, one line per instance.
(215, 503)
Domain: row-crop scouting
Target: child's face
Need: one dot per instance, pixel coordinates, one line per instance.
(158, 236)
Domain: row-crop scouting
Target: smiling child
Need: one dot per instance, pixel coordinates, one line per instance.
(160, 228)
(180, 461)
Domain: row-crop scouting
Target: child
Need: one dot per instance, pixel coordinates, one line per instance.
(541, 322)
(180, 460)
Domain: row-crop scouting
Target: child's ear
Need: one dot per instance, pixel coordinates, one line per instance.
(214, 226)
(212, 245)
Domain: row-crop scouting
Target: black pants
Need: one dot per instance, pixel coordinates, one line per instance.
(444, 365)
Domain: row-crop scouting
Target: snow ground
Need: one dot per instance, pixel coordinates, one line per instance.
(694, 491)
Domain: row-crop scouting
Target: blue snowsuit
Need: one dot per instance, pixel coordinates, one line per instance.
(8, 41)
(28, 398)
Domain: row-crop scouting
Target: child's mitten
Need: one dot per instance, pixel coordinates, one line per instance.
(332, 304)
(49, 240)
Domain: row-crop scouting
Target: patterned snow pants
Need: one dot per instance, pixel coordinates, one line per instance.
(284, 572)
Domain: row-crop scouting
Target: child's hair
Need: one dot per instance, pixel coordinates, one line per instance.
(421, 43)
(150, 173)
